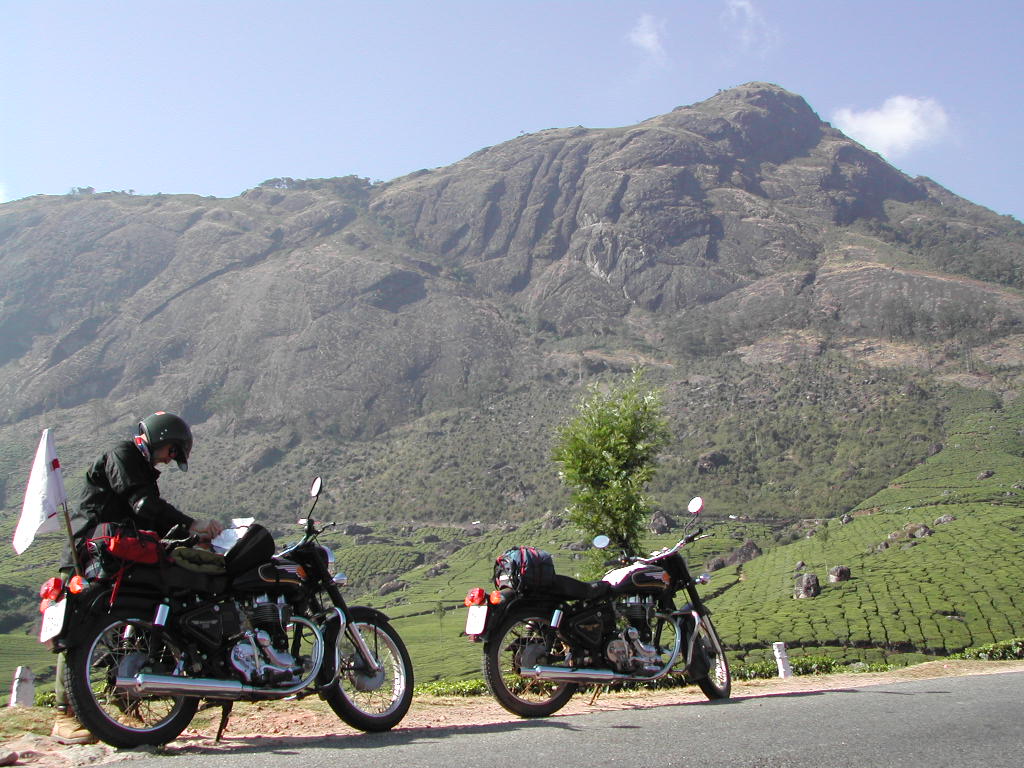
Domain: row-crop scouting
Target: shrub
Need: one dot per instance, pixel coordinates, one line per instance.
(1007, 650)
(452, 688)
(607, 455)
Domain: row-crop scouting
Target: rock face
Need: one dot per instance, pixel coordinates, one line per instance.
(308, 323)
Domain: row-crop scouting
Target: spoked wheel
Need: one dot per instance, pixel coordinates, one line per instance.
(518, 643)
(368, 699)
(717, 683)
(124, 647)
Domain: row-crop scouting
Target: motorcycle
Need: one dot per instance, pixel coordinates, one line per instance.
(145, 643)
(544, 636)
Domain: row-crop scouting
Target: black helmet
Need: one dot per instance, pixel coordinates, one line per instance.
(162, 429)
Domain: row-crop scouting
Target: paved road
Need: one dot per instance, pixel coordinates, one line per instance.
(955, 721)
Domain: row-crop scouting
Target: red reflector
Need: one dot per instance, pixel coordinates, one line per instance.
(76, 585)
(497, 597)
(475, 596)
(51, 588)
(44, 604)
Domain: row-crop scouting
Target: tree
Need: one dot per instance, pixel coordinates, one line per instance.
(607, 454)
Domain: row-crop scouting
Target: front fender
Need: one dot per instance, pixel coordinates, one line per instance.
(365, 613)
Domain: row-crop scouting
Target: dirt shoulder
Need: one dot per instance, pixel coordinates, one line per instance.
(275, 725)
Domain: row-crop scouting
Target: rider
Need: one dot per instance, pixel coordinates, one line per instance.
(121, 486)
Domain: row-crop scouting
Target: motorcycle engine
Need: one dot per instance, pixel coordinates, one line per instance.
(260, 656)
(629, 650)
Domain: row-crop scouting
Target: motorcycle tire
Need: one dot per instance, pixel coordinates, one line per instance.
(113, 646)
(369, 701)
(717, 682)
(520, 641)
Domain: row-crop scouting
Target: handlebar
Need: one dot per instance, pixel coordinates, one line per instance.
(688, 539)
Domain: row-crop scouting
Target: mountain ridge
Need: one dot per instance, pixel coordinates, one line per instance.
(338, 326)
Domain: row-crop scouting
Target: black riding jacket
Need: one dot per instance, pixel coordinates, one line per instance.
(119, 487)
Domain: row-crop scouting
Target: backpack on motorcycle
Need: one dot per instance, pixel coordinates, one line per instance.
(254, 548)
(524, 569)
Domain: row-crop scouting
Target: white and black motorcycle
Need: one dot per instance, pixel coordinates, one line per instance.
(546, 634)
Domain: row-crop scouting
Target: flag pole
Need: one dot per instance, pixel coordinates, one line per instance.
(71, 537)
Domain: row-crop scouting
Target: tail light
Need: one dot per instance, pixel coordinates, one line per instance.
(475, 596)
(51, 588)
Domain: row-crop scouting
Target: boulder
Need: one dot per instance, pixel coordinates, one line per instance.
(391, 586)
(806, 586)
(661, 523)
(917, 530)
(944, 519)
(839, 573)
(744, 553)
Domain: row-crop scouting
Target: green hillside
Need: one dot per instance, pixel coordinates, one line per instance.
(908, 598)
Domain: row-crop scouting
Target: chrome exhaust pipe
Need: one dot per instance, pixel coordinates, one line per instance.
(172, 685)
(566, 675)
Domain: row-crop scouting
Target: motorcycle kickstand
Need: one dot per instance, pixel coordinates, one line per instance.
(598, 690)
(225, 713)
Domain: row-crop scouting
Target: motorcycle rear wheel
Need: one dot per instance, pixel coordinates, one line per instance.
(520, 641)
(366, 700)
(126, 647)
(717, 684)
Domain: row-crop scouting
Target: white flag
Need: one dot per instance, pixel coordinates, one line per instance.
(43, 496)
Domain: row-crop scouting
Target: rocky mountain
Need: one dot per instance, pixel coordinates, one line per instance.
(810, 312)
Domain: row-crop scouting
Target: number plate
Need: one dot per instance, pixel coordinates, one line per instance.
(476, 620)
(53, 621)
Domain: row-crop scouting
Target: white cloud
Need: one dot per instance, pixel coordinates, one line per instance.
(751, 29)
(900, 125)
(647, 36)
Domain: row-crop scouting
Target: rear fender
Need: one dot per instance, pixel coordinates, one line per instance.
(516, 605)
(95, 605)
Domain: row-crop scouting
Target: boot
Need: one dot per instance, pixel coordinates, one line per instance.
(67, 730)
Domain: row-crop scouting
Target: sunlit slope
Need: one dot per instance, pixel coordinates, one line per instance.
(938, 594)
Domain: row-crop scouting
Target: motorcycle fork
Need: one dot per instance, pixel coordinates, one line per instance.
(368, 657)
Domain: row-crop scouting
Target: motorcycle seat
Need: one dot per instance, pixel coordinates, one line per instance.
(574, 589)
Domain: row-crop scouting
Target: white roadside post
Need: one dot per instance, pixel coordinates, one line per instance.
(23, 692)
(782, 659)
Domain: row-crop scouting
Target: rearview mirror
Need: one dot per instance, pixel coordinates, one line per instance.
(695, 506)
(317, 486)
(601, 541)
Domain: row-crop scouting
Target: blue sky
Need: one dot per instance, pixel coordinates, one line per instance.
(214, 97)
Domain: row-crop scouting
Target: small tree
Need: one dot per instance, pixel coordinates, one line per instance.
(607, 454)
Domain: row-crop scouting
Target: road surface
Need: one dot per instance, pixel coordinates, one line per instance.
(954, 721)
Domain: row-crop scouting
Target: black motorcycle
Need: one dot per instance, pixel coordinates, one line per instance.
(145, 643)
(546, 634)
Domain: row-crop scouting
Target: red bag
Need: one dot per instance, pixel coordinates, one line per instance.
(126, 543)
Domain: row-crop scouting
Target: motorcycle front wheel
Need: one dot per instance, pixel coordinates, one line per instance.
(125, 647)
(518, 643)
(366, 699)
(717, 683)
